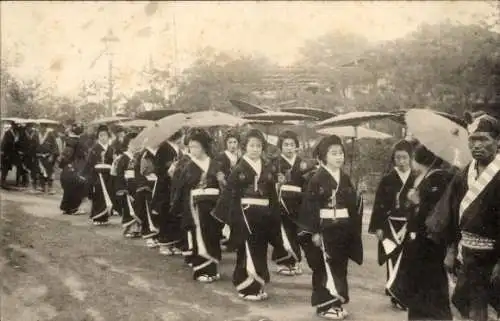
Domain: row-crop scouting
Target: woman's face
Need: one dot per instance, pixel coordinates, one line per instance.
(103, 138)
(335, 157)
(288, 148)
(195, 149)
(402, 160)
(232, 145)
(254, 148)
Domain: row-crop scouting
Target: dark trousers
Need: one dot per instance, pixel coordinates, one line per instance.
(474, 290)
(254, 250)
(74, 190)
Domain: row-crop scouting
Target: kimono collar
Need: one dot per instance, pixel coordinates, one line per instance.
(105, 147)
(403, 175)
(203, 164)
(44, 136)
(290, 161)
(152, 150)
(129, 154)
(233, 158)
(175, 147)
(335, 174)
(256, 165)
(472, 173)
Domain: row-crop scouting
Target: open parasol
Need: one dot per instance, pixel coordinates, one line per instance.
(443, 137)
(45, 121)
(354, 132)
(247, 108)
(137, 123)
(314, 112)
(354, 118)
(213, 118)
(278, 117)
(153, 135)
(157, 114)
(108, 120)
(399, 116)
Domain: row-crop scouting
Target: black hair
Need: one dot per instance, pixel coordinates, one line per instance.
(324, 145)
(402, 145)
(425, 157)
(102, 128)
(203, 137)
(288, 134)
(254, 133)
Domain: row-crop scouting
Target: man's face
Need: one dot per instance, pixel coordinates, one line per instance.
(483, 146)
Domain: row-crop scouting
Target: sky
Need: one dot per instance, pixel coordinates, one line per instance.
(60, 42)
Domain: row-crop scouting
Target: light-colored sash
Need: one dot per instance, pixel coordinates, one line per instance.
(479, 185)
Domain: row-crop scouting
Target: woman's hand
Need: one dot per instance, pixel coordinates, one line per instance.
(413, 196)
(316, 238)
(380, 234)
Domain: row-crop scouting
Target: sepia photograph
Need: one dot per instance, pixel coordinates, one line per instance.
(250, 160)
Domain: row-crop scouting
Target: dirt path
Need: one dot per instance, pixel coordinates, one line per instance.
(57, 267)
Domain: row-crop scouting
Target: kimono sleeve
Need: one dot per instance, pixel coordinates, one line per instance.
(309, 222)
(381, 206)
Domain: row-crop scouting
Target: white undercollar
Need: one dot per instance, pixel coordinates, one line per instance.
(256, 165)
(335, 174)
(290, 161)
(202, 164)
(403, 175)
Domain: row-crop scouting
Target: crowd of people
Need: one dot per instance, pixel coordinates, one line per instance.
(189, 197)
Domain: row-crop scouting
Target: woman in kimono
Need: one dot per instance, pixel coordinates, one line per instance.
(425, 282)
(125, 189)
(73, 180)
(98, 170)
(249, 205)
(47, 154)
(291, 168)
(145, 181)
(227, 161)
(198, 191)
(330, 219)
(388, 221)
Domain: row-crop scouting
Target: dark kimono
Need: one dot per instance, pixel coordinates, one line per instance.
(290, 198)
(473, 223)
(125, 188)
(9, 152)
(98, 171)
(29, 147)
(169, 224)
(424, 283)
(47, 154)
(197, 194)
(185, 243)
(145, 182)
(73, 180)
(390, 215)
(249, 205)
(227, 162)
(330, 208)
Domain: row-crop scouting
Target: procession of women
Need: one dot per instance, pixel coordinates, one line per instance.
(202, 184)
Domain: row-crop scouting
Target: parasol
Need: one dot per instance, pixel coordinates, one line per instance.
(13, 119)
(108, 120)
(354, 132)
(440, 135)
(278, 117)
(247, 108)
(399, 116)
(354, 118)
(213, 118)
(314, 112)
(153, 135)
(157, 114)
(45, 121)
(137, 123)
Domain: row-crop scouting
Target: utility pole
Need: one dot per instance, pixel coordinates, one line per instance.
(109, 40)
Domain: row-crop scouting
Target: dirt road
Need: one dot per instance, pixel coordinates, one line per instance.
(61, 268)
